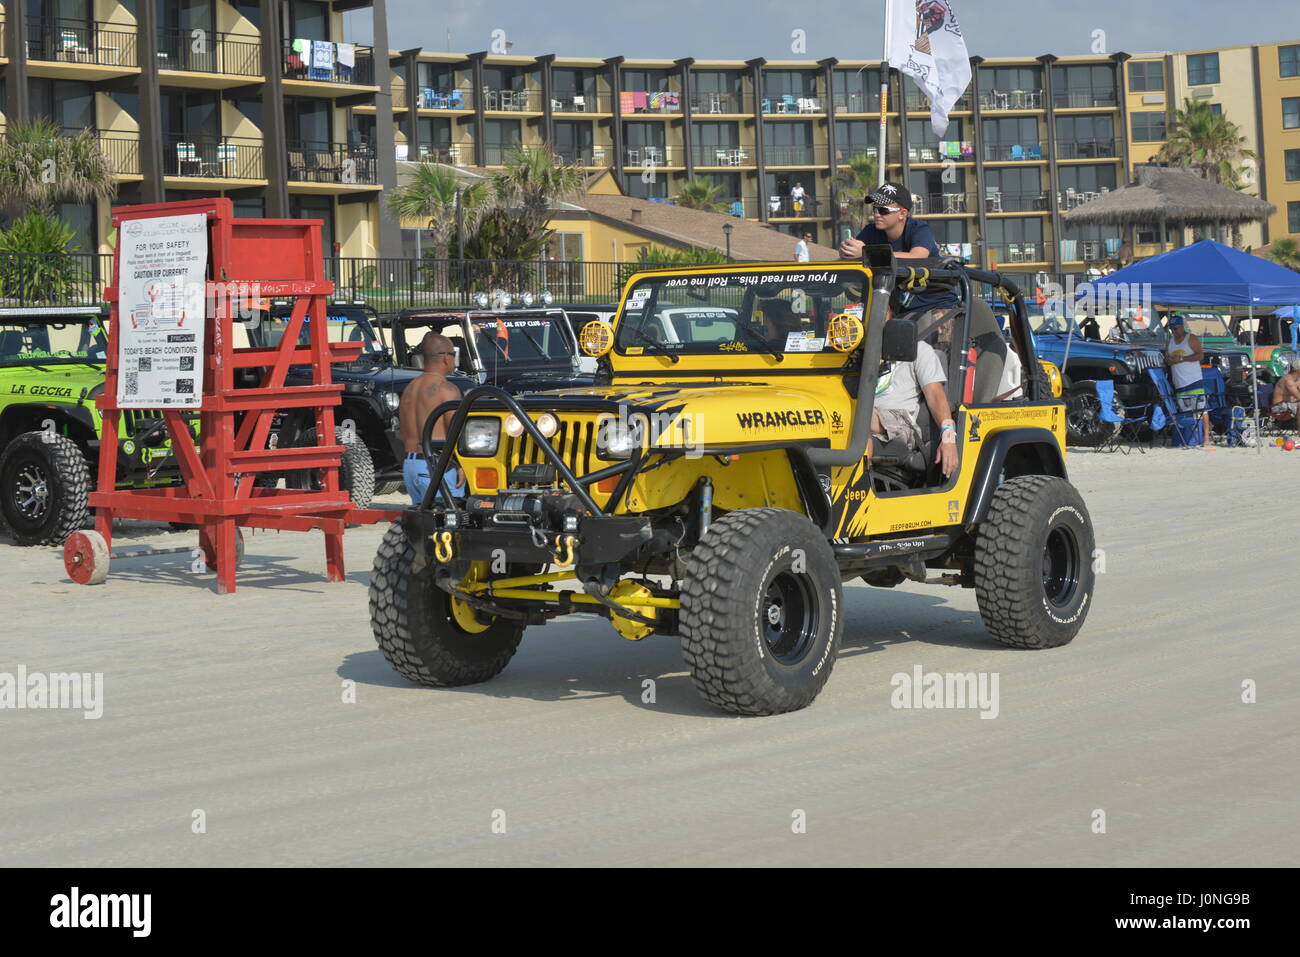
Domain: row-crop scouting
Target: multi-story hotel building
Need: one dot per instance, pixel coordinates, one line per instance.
(264, 102)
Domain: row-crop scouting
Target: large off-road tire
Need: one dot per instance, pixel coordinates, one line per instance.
(423, 637)
(356, 474)
(1083, 423)
(761, 612)
(387, 488)
(1034, 578)
(44, 488)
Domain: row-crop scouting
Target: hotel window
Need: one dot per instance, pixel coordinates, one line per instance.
(1146, 77)
(1292, 165)
(1291, 113)
(1293, 217)
(1202, 69)
(1288, 60)
(1148, 127)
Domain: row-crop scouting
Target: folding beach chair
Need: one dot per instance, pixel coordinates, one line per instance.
(1185, 427)
(1130, 422)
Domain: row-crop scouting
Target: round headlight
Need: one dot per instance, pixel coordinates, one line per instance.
(514, 428)
(392, 400)
(481, 300)
(615, 439)
(547, 424)
(547, 298)
(596, 338)
(481, 437)
(526, 298)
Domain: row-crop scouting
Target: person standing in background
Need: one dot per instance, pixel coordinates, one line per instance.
(801, 248)
(1184, 355)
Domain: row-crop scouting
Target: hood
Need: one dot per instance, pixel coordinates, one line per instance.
(65, 382)
(717, 415)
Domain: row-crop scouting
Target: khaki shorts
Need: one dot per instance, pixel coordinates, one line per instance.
(897, 424)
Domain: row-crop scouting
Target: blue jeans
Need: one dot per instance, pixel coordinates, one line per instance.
(415, 472)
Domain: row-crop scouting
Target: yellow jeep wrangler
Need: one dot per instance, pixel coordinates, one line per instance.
(716, 484)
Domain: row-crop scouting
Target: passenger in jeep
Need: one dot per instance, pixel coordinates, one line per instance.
(419, 399)
(898, 405)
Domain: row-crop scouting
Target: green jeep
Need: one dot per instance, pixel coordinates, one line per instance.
(51, 369)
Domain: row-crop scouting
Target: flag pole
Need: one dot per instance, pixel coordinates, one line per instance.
(884, 94)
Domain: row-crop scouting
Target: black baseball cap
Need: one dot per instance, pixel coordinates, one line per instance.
(891, 194)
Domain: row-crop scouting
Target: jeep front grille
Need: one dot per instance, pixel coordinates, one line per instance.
(1148, 360)
(575, 442)
(136, 422)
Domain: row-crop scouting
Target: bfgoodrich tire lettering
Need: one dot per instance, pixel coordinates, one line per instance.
(761, 612)
(44, 488)
(1034, 577)
(416, 631)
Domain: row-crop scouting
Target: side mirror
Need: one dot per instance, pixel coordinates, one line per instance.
(899, 341)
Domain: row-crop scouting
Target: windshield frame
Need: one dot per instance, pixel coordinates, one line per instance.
(373, 348)
(93, 319)
(633, 355)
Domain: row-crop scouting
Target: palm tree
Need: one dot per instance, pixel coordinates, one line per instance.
(431, 196)
(1285, 252)
(1206, 142)
(532, 182)
(701, 194)
(40, 167)
(859, 181)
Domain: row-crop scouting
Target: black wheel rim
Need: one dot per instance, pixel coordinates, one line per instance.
(1062, 566)
(789, 617)
(30, 491)
(1084, 414)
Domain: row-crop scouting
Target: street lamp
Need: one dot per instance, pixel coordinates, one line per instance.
(727, 228)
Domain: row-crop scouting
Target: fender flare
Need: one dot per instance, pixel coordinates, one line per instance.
(1026, 451)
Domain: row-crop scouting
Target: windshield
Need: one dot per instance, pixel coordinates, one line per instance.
(36, 340)
(1053, 322)
(520, 338)
(764, 310)
(1206, 324)
(343, 324)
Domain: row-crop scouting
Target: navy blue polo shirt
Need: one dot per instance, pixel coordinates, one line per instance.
(915, 233)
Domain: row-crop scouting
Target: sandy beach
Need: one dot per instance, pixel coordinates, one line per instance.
(270, 718)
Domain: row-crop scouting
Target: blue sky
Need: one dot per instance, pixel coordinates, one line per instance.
(847, 29)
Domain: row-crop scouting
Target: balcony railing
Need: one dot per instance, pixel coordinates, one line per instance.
(794, 155)
(942, 204)
(918, 102)
(570, 101)
(1024, 252)
(197, 157)
(230, 53)
(787, 104)
(959, 151)
(705, 104)
(1085, 149)
(846, 151)
(431, 99)
(996, 201)
(438, 154)
(995, 100)
(1084, 99)
(122, 150)
(325, 62)
(74, 41)
(1070, 197)
(810, 207)
(584, 156)
(644, 156)
(496, 154)
(856, 103)
(1013, 152)
(511, 101)
(723, 155)
(1089, 250)
(319, 162)
(664, 101)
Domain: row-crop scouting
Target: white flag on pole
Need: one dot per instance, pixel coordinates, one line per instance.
(925, 42)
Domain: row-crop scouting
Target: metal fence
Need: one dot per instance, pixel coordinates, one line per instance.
(48, 279)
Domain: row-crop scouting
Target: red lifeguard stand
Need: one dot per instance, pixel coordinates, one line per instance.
(247, 258)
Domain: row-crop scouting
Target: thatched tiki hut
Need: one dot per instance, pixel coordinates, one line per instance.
(1166, 197)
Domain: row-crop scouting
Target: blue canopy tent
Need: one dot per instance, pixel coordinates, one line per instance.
(1203, 274)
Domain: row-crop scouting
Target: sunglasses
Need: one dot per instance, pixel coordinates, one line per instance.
(886, 210)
